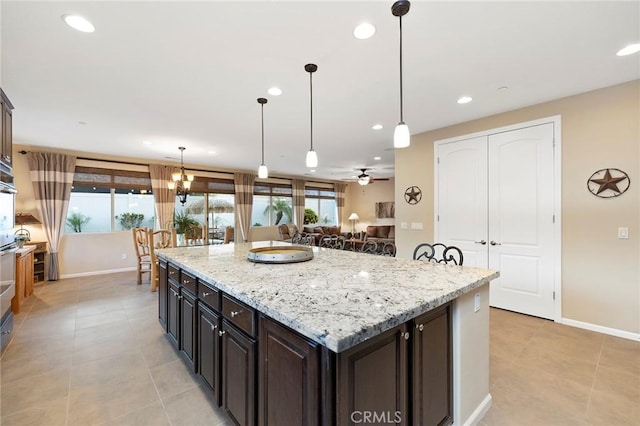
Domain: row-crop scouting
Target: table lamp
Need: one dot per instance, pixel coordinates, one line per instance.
(25, 219)
(353, 218)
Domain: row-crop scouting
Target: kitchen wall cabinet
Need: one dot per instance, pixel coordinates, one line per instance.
(6, 130)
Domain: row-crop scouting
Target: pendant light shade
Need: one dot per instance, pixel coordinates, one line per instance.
(263, 172)
(312, 156)
(401, 135)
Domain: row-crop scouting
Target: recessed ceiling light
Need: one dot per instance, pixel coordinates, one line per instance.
(78, 23)
(312, 170)
(465, 100)
(377, 158)
(146, 142)
(211, 152)
(376, 126)
(629, 50)
(274, 91)
(364, 31)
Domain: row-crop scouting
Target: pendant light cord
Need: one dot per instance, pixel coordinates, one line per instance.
(401, 98)
(262, 119)
(311, 106)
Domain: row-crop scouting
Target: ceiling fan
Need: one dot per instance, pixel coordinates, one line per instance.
(364, 178)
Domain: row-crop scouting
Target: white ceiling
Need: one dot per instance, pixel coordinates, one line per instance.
(178, 73)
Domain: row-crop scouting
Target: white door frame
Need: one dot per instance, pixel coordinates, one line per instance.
(557, 195)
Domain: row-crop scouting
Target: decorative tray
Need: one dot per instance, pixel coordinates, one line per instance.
(284, 254)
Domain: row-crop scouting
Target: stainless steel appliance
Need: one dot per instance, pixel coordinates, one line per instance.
(7, 256)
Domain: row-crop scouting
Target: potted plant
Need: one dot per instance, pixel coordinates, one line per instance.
(310, 216)
(20, 239)
(182, 221)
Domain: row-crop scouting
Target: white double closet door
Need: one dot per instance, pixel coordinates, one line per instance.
(495, 201)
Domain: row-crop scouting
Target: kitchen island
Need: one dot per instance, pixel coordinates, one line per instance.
(342, 339)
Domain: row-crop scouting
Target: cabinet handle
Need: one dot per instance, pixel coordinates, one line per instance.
(405, 335)
(172, 273)
(420, 327)
(7, 332)
(179, 297)
(213, 327)
(494, 243)
(483, 242)
(205, 294)
(235, 313)
(185, 281)
(221, 332)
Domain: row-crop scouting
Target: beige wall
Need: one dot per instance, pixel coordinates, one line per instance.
(362, 199)
(600, 129)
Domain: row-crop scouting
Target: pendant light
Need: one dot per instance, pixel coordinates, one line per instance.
(401, 135)
(180, 180)
(312, 157)
(263, 172)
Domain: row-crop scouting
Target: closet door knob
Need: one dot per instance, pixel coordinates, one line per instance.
(494, 243)
(483, 242)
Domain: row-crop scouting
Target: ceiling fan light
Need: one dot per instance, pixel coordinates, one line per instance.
(363, 180)
(312, 158)
(263, 172)
(401, 136)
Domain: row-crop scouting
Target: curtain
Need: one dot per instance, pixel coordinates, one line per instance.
(52, 177)
(164, 197)
(339, 188)
(298, 202)
(244, 203)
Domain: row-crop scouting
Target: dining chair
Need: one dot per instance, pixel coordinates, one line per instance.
(162, 238)
(438, 253)
(369, 246)
(143, 251)
(388, 249)
(228, 234)
(302, 239)
(194, 235)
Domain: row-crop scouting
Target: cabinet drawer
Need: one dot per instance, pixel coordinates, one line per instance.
(239, 315)
(189, 282)
(209, 296)
(173, 273)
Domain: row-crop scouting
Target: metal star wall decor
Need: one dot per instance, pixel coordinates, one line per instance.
(608, 183)
(413, 195)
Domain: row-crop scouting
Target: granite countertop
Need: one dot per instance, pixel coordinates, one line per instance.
(339, 298)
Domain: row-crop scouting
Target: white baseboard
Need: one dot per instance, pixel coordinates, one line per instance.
(601, 329)
(480, 411)
(89, 274)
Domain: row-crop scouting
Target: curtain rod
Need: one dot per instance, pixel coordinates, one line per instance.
(23, 152)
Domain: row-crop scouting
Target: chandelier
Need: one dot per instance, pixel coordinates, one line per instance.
(180, 181)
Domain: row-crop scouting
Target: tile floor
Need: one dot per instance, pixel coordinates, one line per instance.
(90, 351)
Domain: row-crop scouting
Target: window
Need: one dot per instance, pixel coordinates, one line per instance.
(213, 205)
(106, 200)
(272, 205)
(323, 202)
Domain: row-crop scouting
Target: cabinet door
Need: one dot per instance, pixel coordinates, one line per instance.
(432, 368)
(238, 375)
(173, 311)
(7, 136)
(372, 380)
(209, 349)
(163, 290)
(289, 377)
(187, 327)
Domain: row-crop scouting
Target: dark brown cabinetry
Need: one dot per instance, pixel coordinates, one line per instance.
(209, 349)
(289, 380)
(6, 131)
(238, 375)
(432, 368)
(162, 294)
(262, 372)
(373, 378)
(187, 326)
(173, 313)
